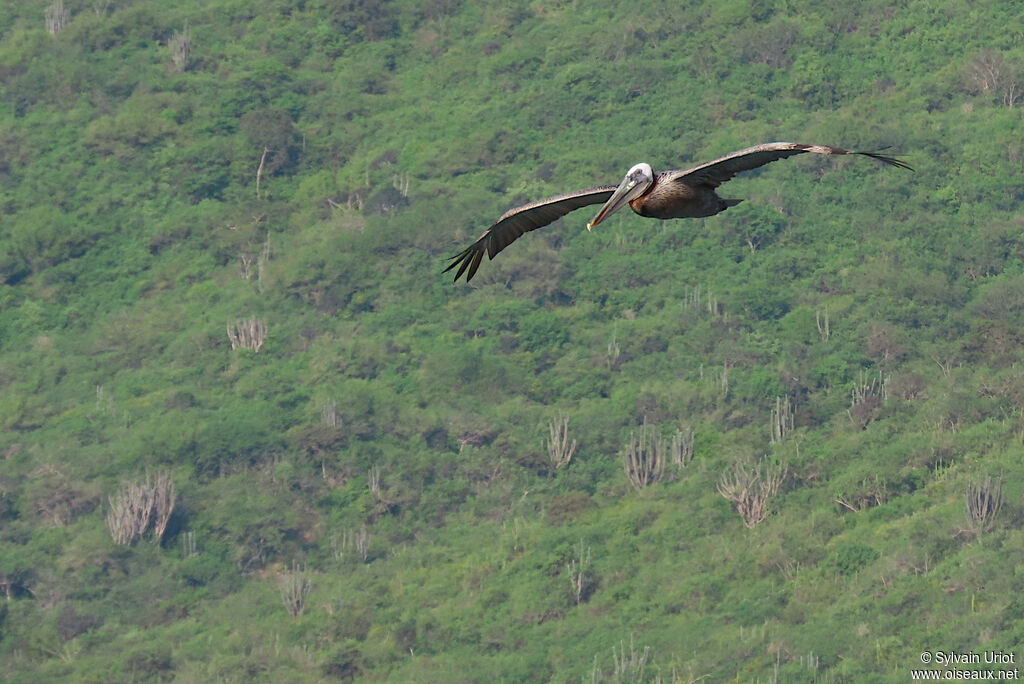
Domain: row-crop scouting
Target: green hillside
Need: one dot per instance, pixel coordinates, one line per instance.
(222, 231)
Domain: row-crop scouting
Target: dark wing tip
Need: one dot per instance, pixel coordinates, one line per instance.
(892, 161)
(468, 258)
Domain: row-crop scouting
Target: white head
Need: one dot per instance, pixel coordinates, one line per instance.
(641, 172)
(637, 181)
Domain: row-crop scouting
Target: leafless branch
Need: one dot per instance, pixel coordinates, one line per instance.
(991, 72)
(576, 570)
(614, 353)
(781, 419)
(822, 321)
(163, 502)
(181, 48)
(560, 450)
(384, 504)
(750, 489)
(57, 17)
(681, 448)
(295, 587)
(259, 170)
(329, 414)
(247, 334)
(984, 499)
(129, 513)
(139, 506)
(644, 460)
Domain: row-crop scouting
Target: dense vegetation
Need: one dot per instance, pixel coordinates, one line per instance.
(368, 494)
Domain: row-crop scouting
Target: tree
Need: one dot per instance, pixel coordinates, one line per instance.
(139, 507)
(644, 459)
(272, 132)
(750, 488)
(992, 73)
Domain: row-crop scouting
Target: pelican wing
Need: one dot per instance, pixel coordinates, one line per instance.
(515, 222)
(716, 172)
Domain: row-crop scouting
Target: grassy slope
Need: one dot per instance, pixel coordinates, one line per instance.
(129, 203)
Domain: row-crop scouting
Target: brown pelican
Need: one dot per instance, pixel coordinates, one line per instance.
(667, 195)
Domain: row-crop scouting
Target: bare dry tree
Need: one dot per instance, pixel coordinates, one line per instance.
(57, 17)
(781, 419)
(560, 450)
(349, 541)
(246, 269)
(864, 389)
(614, 354)
(725, 377)
(681, 448)
(261, 262)
(329, 414)
(181, 48)
(629, 667)
(400, 181)
(139, 506)
(990, 71)
(373, 481)
(295, 587)
(188, 545)
(821, 320)
(984, 499)
(247, 334)
(129, 513)
(750, 488)
(984, 71)
(355, 201)
(576, 570)
(384, 504)
(699, 298)
(644, 460)
(361, 541)
(163, 502)
(866, 398)
(259, 170)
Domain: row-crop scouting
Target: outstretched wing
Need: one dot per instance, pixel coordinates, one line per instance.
(515, 222)
(716, 172)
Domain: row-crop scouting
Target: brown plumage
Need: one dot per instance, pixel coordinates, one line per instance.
(670, 194)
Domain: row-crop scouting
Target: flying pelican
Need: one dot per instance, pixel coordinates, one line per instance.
(667, 195)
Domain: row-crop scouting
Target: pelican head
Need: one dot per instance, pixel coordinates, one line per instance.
(637, 181)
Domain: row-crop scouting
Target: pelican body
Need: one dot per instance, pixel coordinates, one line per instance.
(667, 195)
(661, 197)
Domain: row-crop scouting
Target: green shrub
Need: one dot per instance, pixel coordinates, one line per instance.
(850, 557)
